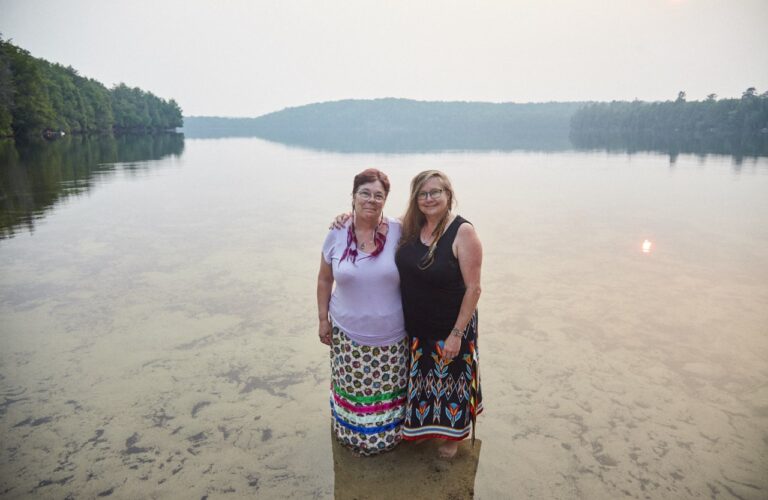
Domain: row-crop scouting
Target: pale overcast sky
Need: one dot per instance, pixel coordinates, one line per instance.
(246, 58)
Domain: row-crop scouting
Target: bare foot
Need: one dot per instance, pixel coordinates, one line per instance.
(448, 449)
(355, 453)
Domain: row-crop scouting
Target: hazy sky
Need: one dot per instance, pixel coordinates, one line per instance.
(246, 58)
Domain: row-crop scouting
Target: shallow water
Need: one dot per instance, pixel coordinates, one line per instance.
(158, 329)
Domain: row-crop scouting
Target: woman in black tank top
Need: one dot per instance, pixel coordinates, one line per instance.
(439, 261)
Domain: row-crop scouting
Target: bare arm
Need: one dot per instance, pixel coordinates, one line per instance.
(469, 251)
(324, 288)
(341, 220)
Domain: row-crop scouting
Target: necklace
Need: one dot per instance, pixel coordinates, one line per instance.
(371, 241)
(431, 236)
(377, 242)
(365, 244)
(428, 239)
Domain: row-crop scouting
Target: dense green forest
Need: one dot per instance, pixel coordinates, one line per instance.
(402, 125)
(38, 97)
(728, 126)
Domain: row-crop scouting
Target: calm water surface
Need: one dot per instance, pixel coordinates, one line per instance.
(158, 329)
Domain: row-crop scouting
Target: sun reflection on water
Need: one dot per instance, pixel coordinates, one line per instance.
(647, 245)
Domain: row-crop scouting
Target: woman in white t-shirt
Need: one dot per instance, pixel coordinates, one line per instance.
(361, 318)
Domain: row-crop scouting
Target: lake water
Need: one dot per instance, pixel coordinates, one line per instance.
(158, 325)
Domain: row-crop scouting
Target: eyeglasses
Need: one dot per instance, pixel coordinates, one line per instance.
(435, 194)
(367, 195)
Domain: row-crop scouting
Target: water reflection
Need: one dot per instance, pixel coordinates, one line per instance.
(35, 176)
(739, 147)
(407, 138)
(452, 138)
(413, 470)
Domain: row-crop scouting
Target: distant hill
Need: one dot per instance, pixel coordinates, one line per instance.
(402, 125)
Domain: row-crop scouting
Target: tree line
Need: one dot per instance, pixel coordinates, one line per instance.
(38, 97)
(723, 126)
(403, 125)
(728, 126)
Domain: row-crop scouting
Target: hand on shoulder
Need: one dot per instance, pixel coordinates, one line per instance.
(341, 221)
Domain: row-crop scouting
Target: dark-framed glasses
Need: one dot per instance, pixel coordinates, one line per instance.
(435, 194)
(366, 195)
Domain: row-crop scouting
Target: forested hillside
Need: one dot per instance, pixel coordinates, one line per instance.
(38, 97)
(723, 126)
(391, 124)
(730, 126)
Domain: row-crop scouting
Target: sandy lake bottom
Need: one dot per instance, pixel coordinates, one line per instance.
(157, 335)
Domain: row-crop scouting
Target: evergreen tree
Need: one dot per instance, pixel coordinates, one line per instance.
(731, 126)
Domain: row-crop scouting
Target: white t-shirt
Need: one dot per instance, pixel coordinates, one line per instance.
(365, 302)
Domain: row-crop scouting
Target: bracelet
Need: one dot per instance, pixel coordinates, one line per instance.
(456, 332)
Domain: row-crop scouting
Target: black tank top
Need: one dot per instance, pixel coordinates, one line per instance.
(432, 296)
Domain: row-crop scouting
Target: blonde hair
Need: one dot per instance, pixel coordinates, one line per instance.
(414, 220)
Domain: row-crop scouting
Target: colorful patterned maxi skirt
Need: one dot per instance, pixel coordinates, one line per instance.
(368, 385)
(444, 396)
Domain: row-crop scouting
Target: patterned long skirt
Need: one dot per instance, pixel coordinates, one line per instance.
(444, 396)
(368, 386)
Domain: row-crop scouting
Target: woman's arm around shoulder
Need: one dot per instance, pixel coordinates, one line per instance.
(341, 221)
